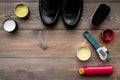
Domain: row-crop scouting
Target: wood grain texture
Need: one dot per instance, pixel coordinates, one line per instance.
(93, 1)
(34, 21)
(37, 52)
(50, 43)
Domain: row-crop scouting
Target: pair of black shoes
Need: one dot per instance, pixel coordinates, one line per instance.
(71, 11)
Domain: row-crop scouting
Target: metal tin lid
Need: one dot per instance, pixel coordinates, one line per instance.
(21, 10)
(83, 53)
(9, 25)
(107, 34)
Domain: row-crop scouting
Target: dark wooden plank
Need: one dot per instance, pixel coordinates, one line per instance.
(110, 1)
(50, 69)
(34, 21)
(51, 43)
(34, 53)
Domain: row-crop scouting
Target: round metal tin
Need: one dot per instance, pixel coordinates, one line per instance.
(9, 25)
(21, 10)
(107, 34)
(83, 53)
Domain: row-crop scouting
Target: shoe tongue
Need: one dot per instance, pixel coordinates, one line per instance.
(51, 4)
(71, 5)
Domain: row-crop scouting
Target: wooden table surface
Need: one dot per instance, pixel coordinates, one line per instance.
(36, 52)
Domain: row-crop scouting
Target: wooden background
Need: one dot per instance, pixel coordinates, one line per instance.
(36, 52)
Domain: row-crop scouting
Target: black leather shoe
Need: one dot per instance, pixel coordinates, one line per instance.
(49, 11)
(71, 11)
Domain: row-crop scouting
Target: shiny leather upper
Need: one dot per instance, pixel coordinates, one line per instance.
(49, 10)
(71, 11)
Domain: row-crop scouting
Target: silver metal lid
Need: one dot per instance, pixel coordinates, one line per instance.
(9, 25)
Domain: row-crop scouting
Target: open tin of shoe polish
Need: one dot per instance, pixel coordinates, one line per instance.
(9, 25)
(83, 53)
(107, 34)
(21, 10)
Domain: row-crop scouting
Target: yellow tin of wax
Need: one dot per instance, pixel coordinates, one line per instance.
(83, 53)
(21, 10)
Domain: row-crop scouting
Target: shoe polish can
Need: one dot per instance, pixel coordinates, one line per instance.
(21, 10)
(9, 25)
(107, 34)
